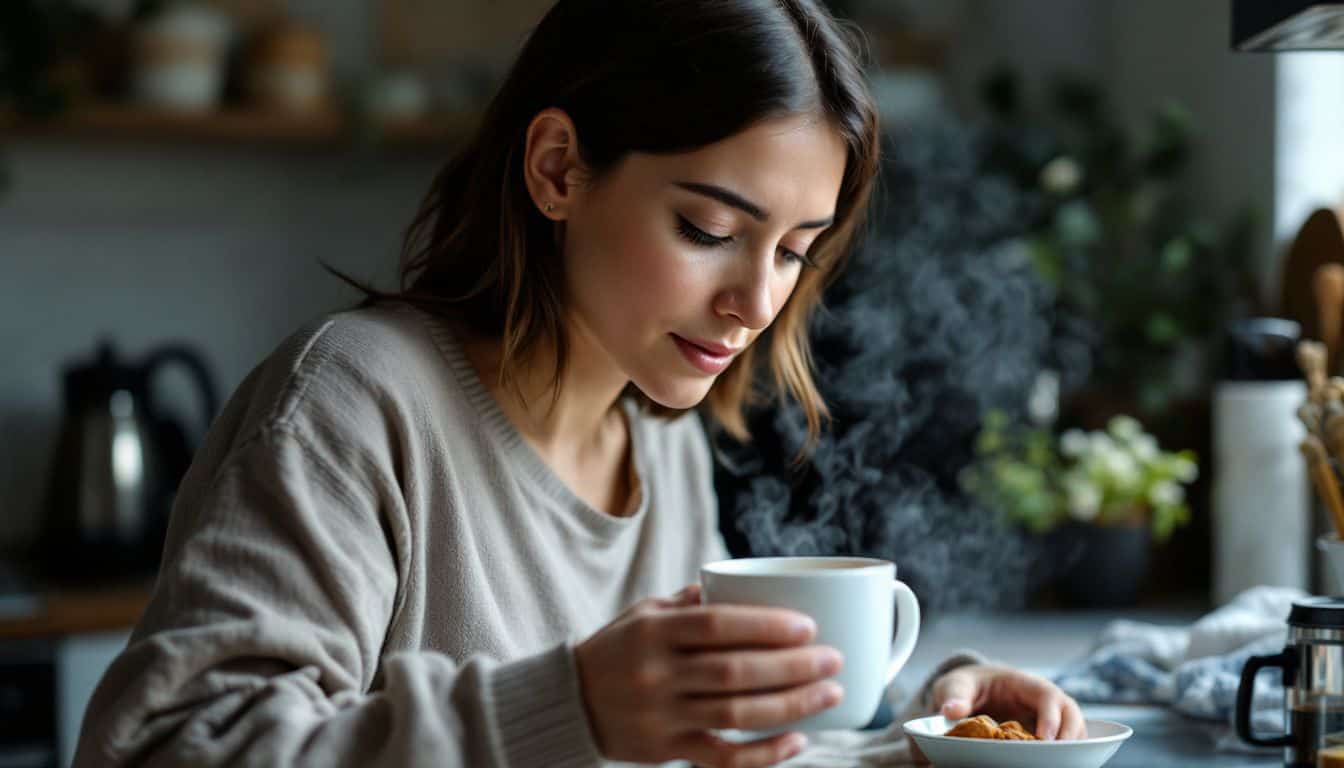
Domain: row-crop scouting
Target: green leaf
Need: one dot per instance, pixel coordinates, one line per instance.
(1177, 255)
(987, 443)
(1162, 328)
(1046, 260)
(1076, 224)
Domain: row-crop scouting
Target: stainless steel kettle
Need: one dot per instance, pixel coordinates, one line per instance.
(117, 464)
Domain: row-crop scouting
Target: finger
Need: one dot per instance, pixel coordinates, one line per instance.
(710, 626)
(737, 671)
(1072, 725)
(954, 694)
(1048, 717)
(704, 748)
(688, 595)
(747, 712)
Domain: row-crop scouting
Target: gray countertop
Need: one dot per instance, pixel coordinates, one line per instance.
(1044, 642)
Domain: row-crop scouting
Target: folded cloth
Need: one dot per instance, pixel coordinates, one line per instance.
(1196, 669)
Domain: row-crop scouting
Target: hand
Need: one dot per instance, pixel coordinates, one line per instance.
(1007, 694)
(665, 673)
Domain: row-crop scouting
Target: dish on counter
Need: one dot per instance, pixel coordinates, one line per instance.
(1104, 738)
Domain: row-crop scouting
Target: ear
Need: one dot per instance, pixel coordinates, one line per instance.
(551, 166)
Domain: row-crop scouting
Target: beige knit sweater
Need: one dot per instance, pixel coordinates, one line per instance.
(368, 566)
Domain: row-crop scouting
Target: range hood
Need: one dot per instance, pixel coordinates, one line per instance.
(1287, 25)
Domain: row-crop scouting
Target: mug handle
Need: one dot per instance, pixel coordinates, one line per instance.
(1286, 661)
(907, 628)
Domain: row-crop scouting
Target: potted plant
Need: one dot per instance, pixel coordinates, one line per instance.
(1104, 497)
(1145, 275)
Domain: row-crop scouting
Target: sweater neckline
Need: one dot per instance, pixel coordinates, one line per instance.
(523, 456)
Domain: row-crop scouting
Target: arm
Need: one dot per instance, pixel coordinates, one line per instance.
(263, 642)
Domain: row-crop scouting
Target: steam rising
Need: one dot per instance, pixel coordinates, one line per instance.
(939, 318)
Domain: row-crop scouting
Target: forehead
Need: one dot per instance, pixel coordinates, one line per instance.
(793, 165)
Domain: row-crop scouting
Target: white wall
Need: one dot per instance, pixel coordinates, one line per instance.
(1309, 156)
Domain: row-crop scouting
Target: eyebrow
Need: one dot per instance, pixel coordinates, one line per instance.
(729, 197)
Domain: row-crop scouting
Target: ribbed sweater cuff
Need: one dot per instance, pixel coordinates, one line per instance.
(539, 714)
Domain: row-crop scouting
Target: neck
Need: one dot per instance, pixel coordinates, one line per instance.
(578, 417)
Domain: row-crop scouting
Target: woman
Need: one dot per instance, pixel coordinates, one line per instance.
(436, 529)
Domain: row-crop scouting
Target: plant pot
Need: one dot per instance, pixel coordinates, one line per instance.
(1101, 566)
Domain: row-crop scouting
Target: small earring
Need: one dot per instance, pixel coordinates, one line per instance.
(550, 207)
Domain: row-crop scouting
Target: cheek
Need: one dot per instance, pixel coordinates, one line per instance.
(782, 290)
(659, 279)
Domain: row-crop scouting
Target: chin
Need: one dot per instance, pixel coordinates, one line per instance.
(679, 393)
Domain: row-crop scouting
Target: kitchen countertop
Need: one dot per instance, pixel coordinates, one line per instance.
(1039, 642)
(1042, 642)
(51, 612)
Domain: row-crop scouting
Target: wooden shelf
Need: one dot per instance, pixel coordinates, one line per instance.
(234, 126)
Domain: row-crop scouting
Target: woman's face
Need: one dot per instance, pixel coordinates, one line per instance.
(676, 263)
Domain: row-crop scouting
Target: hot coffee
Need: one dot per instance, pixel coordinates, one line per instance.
(1312, 728)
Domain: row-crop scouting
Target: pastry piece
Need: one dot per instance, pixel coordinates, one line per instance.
(978, 727)
(984, 727)
(1013, 731)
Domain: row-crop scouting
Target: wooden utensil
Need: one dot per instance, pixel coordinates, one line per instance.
(1309, 414)
(1332, 432)
(1323, 477)
(1328, 289)
(1311, 358)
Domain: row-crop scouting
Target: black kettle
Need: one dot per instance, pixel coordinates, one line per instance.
(118, 461)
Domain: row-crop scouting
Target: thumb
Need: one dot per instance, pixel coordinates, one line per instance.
(956, 709)
(954, 693)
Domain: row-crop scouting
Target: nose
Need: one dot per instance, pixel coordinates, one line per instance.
(748, 298)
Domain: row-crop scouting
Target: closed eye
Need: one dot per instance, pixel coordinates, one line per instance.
(700, 237)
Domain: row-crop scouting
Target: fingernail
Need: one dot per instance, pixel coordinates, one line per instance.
(802, 627)
(796, 743)
(830, 662)
(828, 696)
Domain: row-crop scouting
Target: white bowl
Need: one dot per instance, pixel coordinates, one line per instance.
(1103, 739)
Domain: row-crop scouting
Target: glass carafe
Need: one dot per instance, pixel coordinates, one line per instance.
(1312, 665)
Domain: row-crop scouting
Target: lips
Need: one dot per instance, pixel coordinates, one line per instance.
(707, 356)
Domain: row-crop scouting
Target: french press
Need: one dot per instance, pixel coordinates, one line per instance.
(1312, 664)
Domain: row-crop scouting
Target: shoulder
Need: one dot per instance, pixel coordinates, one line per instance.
(380, 348)
(346, 374)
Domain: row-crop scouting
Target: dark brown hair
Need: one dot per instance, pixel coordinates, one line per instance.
(651, 76)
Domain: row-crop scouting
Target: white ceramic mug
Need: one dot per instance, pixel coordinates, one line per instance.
(854, 602)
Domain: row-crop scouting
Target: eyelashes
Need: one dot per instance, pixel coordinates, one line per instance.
(697, 236)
